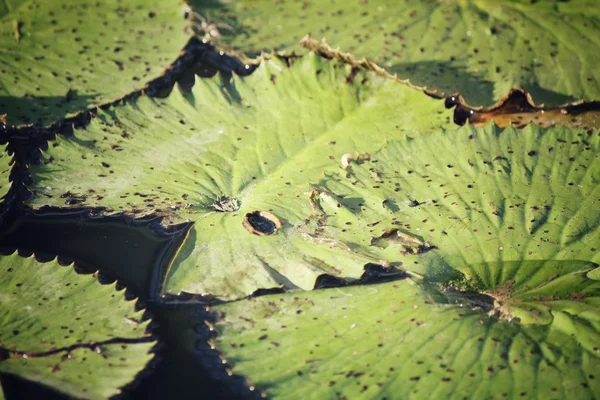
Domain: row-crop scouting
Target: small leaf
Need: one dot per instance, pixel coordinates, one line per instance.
(67, 331)
(6, 162)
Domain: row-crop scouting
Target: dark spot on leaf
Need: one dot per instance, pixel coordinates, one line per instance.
(414, 203)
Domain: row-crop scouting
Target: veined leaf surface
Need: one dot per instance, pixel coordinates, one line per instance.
(399, 340)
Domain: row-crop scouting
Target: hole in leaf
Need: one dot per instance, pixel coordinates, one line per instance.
(261, 223)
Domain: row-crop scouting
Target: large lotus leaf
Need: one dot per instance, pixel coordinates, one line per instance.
(512, 210)
(67, 331)
(472, 201)
(60, 58)
(397, 340)
(481, 48)
(259, 141)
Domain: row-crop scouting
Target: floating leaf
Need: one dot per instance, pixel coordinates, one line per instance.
(400, 340)
(6, 180)
(480, 48)
(512, 212)
(6, 162)
(60, 59)
(227, 153)
(67, 331)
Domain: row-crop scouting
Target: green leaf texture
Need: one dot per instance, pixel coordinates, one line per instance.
(59, 58)
(475, 199)
(397, 340)
(481, 48)
(6, 162)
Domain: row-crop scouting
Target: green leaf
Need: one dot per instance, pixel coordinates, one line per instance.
(260, 141)
(399, 340)
(480, 48)
(6, 181)
(67, 331)
(6, 162)
(59, 59)
(7, 6)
